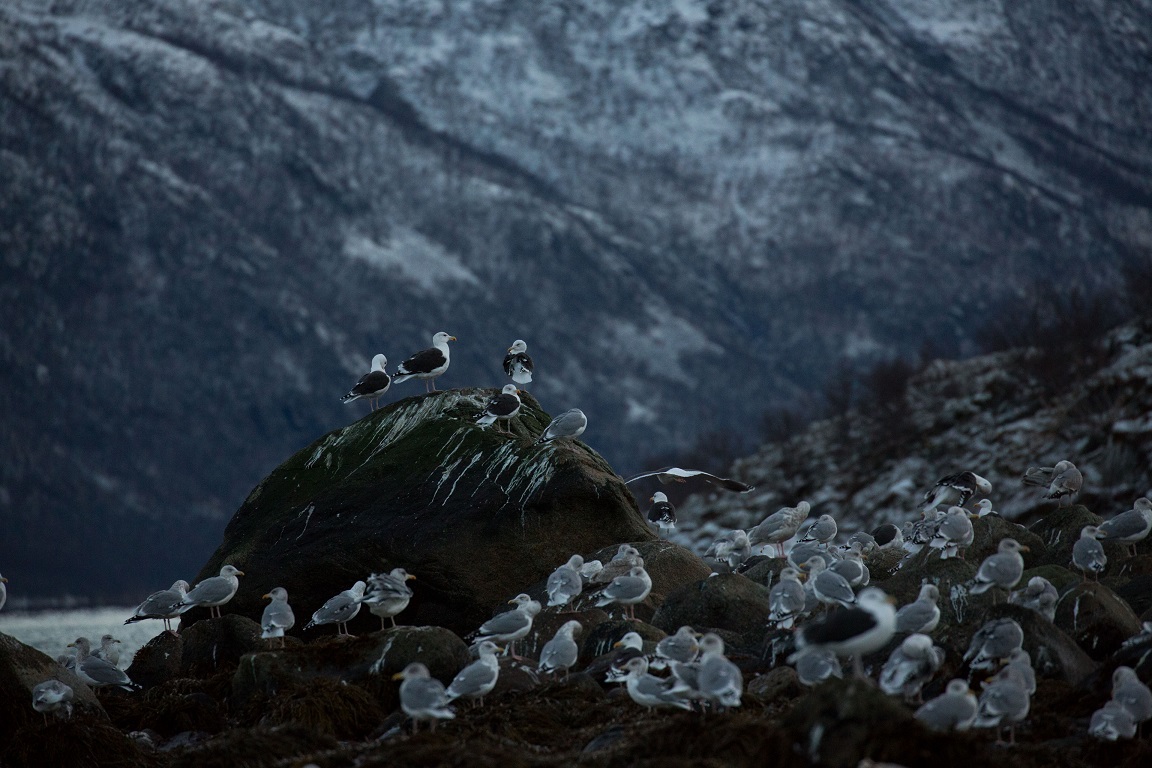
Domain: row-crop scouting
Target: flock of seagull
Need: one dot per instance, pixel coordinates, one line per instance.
(822, 595)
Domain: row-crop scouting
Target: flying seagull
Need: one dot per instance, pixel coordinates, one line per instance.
(678, 475)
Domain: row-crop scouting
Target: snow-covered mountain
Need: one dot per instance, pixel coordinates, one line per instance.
(213, 214)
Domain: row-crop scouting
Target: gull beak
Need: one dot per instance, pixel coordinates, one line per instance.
(451, 338)
(239, 573)
(409, 577)
(1024, 548)
(512, 601)
(70, 645)
(266, 597)
(398, 676)
(500, 649)
(890, 600)
(4, 579)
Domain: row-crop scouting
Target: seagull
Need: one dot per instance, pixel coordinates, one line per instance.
(786, 599)
(855, 631)
(828, 586)
(662, 514)
(426, 364)
(97, 672)
(422, 697)
(214, 591)
(922, 615)
(780, 526)
(955, 490)
(1112, 722)
(278, 617)
(993, 643)
(851, 567)
(477, 679)
(571, 423)
(823, 530)
(52, 696)
(340, 609)
(954, 532)
(503, 406)
(953, 710)
(388, 594)
(815, 667)
(627, 590)
(561, 652)
(910, 666)
(626, 556)
(984, 508)
(108, 650)
(888, 536)
(372, 385)
(732, 548)
(1088, 553)
(1131, 526)
(648, 690)
(565, 583)
(1038, 594)
(628, 647)
(1004, 701)
(1063, 480)
(1020, 660)
(718, 680)
(1002, 569)
(1132, 694)
(166, 604)
(678, 475)
(510, 626)
(681, 647)
(517, 364)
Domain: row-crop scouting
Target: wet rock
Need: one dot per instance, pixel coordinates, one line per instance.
(1054, 654)
(258, 746)
(728, 601)
(778, 684)
(546, 623)
(1059, 576)
(1137, 593)
(1058, 532)
(22, 668)
(325, 707)
(988, 531)
(214, 645)
(82, 742)
(1098, 620)
(764, 570)
(180, 706)
(417, 484)
(599, 640)
(670, 566)
(158, 661)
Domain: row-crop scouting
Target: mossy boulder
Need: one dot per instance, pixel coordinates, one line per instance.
(1054, 654)
(157, 661)
(728, 601)
(988, 531)
(211, 646)
(1096, 618)
(1059, 531)
(473, 513)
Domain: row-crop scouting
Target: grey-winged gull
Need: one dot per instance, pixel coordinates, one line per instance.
(718, 680)
(910, 666)
(822, 530)
(629, 589)
(426, 364)
(561, 652)
(167, 604)
(1002, 569)
(1112, 722)
(372, 385)
(1003, 702)
(1063, 481)
(954, 532)
(993, 643)
(1088, 553)
(825, 585)
(953, 710)
(780, 526)
(517, 363)
(626, 556)
(851, 566)
(510, 626)
(955, 490)
(340, 609)
(109, 650)
(816, 666)
(1039, 595)
(571, 423)
(214, 591)
(565, 583)
(648, 690)
(1021, 661)
(680, 475)
(1132, 694)
(502, 407)
(682, 647)
(731, 548)
(855, 631)
(786, 599)
(922, 614)
(52, 696)
(388, 594)
(277, 617)
(1130, 527)
(477, 679)
(662, 514)
(422, 697)
(97, 672)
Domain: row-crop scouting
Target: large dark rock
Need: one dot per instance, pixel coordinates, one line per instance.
(1054, 654)
(727, 601)
(158, 661)
(473, 513)
(215, 645)
(1059, 530)
(987, 533)
(1096, 618)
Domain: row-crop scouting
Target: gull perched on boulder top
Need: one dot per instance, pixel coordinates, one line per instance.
(1063, 480)
(214, 591)
(1129, 527)
(779, 526)
(340, 609)
(426, 364)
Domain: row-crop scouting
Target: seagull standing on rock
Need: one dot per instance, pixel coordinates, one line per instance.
(1002, 569)
(166, 604)
(954, 532)
(822, 531)
(910, 666)
(786, 599)
(340, 609)
(922, 615)
(955, 490)
(1063, 480)
(662, 514)
(628, 590)
(477, 679)
(855, 631)
(780, 526)
(1088, 553)
(502, 407)
(52, 696)
(214, 591)
(953, 710)
(517, 364)
(426, 364)
(388, 594)
(1129, 527)
(422, 697)
(372, 385)
(565, 583)
(510, 626)
(278, 617)
(731, 548)
(561, 652)
(1038, 595)
(571, 423)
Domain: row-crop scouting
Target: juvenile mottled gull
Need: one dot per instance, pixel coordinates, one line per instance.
(815, 667)
(502, 407)
(662, 514)
(1039, 595)
(627, 590)
(214, 591)
(626, 556)
(731, 548)
(561, 652)
(718, 680)
(1003, 702)
(779, 526)
(1063, 480)
(388, 594)
(954, 532)
(510, 626)
(97, 672)
(921, 615)
(166, 604)
(786, 599)
(955, 490)
(953, 710)
(477, 679)
(854, 631)
(648, 690)
(823, 530)
(422, 697)
(679, 475)
(109, 650)
(1002, 569)
(277, 617)
(517, 363)
(1088, 553)
(571, 423)
(340, 609)
(565, 583)
(910, 666)
(427, 364)
(52, 696)
(1130, 527)
(1112, 722)
(372, 385)
(1129, 692)
(993, 643)
(590, 570)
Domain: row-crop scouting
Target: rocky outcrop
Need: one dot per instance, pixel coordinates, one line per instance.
(474, 514)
